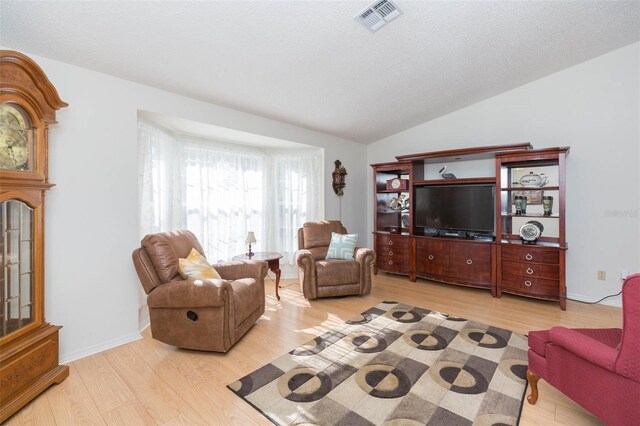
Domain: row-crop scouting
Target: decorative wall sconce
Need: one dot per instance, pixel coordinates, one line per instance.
(338, 176)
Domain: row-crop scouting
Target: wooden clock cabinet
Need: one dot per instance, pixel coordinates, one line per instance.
(28, 344)
(500, 262)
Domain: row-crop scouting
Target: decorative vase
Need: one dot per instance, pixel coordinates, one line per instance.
(547, 205)
(520, 202)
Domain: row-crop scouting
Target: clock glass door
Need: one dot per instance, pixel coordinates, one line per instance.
(17, 278)
(16, 139)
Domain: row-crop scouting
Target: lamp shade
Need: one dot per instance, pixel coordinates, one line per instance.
(251, 238)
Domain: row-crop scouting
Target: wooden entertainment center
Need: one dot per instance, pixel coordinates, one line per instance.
(499, 261)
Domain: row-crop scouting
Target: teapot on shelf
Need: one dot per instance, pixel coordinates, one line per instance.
(534, 180)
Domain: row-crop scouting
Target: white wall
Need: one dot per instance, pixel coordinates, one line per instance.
(92, 213)
(592, 107)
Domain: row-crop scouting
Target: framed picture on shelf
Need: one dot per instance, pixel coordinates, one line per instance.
(533, 196)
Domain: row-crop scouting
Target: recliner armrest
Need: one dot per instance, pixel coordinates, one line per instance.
(307, 273)
(231, 271)
(584, 346)
(190, 294)
(364, 255)
(304, 258)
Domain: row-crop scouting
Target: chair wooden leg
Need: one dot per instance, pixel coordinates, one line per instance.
(533, 382)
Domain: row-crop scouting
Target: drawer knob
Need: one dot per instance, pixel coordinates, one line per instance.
(430, 257)
(469, 261)
(391, 262)
(528, 257)
(529, 271)
(390, 253)
(390, 243)
(527, 283)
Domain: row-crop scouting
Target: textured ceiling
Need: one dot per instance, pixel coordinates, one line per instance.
(310, 64)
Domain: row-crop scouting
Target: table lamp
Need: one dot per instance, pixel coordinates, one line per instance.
(251, 238)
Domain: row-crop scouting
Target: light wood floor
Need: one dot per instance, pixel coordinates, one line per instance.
(148, 382)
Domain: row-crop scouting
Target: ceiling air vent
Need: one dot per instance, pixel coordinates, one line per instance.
(378, 14)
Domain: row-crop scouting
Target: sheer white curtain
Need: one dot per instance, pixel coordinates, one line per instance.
(220, 191)
(160, 189)
(224, 196)
(295, 194)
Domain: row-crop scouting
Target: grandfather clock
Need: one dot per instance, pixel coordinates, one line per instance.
(28, 344)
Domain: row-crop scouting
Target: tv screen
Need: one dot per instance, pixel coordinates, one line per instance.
(456, 207)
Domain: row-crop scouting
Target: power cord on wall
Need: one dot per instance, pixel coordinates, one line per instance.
(597, 301)
(606, 297)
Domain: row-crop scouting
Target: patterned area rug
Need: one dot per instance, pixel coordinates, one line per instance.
(395, 365)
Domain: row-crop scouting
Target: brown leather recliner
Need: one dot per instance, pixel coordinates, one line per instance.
(208, 315)
(334, 277)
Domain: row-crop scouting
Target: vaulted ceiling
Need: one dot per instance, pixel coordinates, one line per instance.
(310, 64)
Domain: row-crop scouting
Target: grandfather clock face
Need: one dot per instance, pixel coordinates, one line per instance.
(16, 139)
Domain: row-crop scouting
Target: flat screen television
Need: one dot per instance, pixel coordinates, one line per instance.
(456, 207)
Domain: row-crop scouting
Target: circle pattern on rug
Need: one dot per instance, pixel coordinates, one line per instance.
(494, 420)
(402, 422)
(483, 338)
(456, 319)
(304, 385)
(360, 319)
(368, 342)
(402, 315)
(458, 377)
(312, 347)
(425, 340)
(383, 381)
(515, 369)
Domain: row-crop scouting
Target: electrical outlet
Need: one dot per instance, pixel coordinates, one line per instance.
(602, 275)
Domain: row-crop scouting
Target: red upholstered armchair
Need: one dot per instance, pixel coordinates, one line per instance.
(597, 368)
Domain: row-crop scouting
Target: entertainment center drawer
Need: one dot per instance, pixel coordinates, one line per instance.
(530, 254)
(392, 252)
(531, 269)
(395, 255)
(393, 265)
(432, 256)
(394, 242)
(531, 286)
(471, 261)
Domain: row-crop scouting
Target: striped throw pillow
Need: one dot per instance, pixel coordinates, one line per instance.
(342, 246)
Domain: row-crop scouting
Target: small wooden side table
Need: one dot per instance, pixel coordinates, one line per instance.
(272, 259)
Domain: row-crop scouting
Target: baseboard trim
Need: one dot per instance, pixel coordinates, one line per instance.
(612, 301)
(289, 276)
(100, 347)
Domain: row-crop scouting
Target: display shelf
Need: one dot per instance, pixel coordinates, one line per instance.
(524, 188)
(392, 191)
(519, 260)
(537, 215)
(462, 181)
(392, 227)
(542, 242)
